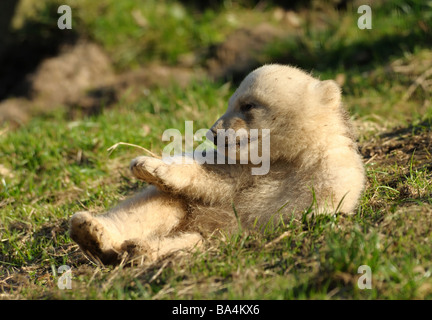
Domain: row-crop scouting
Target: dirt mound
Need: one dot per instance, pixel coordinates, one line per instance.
(77, 68)
(239, 53)
(60, 80)
(81, 76)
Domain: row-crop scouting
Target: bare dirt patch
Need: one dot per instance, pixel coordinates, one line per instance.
(402, 145)
(401, 162)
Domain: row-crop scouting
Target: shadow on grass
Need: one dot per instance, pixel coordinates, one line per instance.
(361, 55)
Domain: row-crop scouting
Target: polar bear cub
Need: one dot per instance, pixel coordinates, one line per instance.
(313, 162)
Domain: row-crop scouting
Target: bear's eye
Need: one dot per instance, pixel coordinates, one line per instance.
(247, 107)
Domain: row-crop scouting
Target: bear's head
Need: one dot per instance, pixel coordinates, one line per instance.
(296, 109)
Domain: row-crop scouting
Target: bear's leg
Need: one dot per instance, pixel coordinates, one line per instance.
(184, 241)
(158, 247)
(210, 184)
(148, 215)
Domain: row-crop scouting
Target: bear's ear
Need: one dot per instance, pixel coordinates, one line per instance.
(329, 93)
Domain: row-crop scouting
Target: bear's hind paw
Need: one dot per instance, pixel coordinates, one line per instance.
(136, 248)
(92, 238)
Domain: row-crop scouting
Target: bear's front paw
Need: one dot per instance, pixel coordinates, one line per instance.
(148, 168)
(166, 176)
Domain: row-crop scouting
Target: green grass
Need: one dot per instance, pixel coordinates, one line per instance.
(55, 166)
(60, 167)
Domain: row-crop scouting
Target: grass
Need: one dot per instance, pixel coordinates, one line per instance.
(55, 166)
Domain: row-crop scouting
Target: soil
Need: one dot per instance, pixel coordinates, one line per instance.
(407, 146)
(239, 53)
